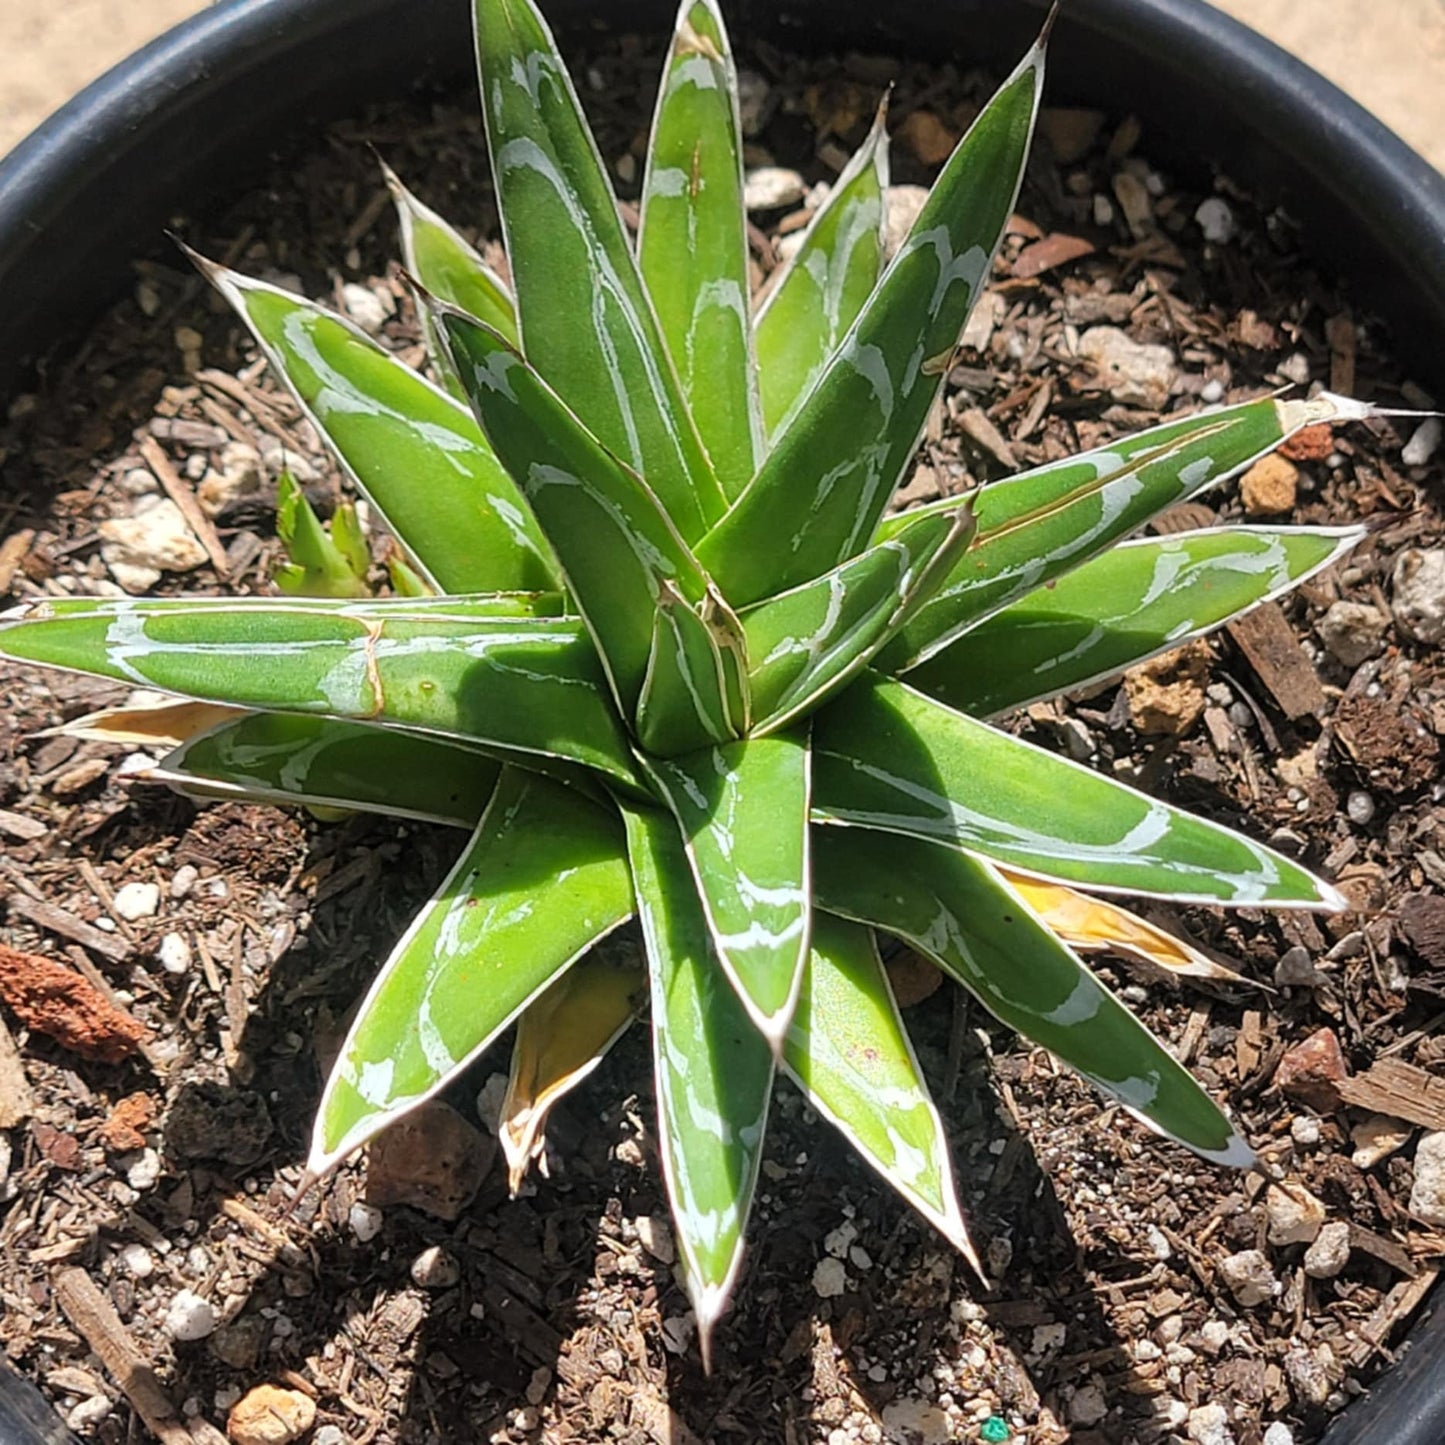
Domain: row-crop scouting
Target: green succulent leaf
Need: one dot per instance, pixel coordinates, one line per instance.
(899, 761)
(543, 878)
(515, 682)
(447, 266)
(616, 544)
(695, 692)
(291, 759)
(960, 912)
(1122, 607)
(1034, 527)
(320, 562)
(692, 241)
(818, 497)
(585, 318)
(743, 809)
(808, 644)
(415, 453)
(714, 1071)
(849, 1052)
(818, 293)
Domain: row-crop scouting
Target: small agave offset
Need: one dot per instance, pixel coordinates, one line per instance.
(661, 651)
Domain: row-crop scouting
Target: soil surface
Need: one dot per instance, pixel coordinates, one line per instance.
(176, 978)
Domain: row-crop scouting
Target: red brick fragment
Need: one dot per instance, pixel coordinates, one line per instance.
(123, 1131)
(52, 999)
(1309, 444)
(1312, 1070)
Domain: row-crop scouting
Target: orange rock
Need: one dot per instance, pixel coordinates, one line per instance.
(1269, 486)
(1166, 694)
(55, 1000)
(269, 1415)
(123, 1130)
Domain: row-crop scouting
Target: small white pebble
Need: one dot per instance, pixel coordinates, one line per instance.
(837, 1241)
(1304, 1129)
(1216, 220)
(830, 1279)
(143, 1174)
(1212, 391)
(1423, 443)
(329, 1435)
(365, 1221)
(859, 1258)
(434, 1268)
(770, 188)
(89, 1413)
(184, 880)
(1279, 1434)
(364, 307)
(174, 953)
(1249, 1277)
(189, 1317)
(1330, 1252)
(1360, 807)
(1215, 1334)
(134, 901)
(1209, 1425)
(137, 1260)
(1103, 210)
(1296, 368)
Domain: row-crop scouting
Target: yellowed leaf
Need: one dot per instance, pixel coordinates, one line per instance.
(1089, 923)
(561, 1038)
(168, 722)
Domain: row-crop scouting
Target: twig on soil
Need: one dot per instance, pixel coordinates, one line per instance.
(56, 920)
(93, 1315)
(181, 494)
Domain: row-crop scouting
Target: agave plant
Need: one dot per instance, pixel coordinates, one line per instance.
(671, 658)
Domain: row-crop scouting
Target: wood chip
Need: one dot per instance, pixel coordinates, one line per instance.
(17, 1103)
(1270, 646)
(1247, 1043)
(1056, 249)
(1394, 1309)
(92, 1314)
(179, 491)
(12, 553)
(1401, 1090)
(1340, 333)
(978, 428)
(659, 1421)
(67, 925)
(17, 825)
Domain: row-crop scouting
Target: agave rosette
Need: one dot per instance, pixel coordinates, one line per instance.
(671, 659)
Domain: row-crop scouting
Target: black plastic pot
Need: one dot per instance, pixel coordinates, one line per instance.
(197, 113)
